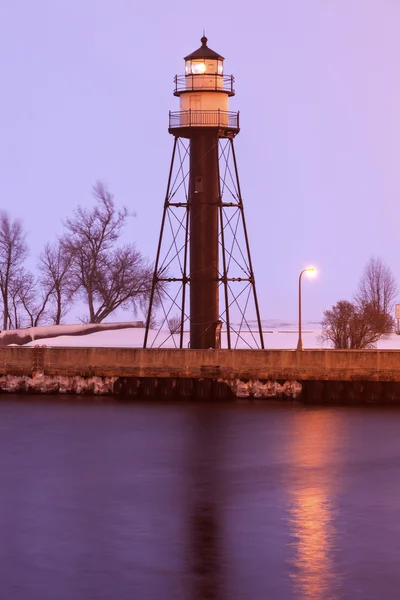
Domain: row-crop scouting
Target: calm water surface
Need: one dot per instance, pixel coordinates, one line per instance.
(192, 502)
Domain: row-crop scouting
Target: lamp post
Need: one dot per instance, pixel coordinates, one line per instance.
(308, 270)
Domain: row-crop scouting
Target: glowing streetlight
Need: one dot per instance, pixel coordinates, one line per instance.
(310, 271)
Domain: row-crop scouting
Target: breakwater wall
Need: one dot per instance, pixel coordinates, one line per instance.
(311, 376)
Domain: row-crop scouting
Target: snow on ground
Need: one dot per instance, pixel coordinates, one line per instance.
(133, 338)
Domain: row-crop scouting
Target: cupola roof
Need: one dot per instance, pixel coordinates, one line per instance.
(204, 52)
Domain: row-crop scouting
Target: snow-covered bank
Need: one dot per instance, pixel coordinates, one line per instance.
(25, 335)
(133, 338)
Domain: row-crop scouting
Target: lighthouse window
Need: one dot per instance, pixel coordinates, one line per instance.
(198, 67)
(220, 67)
(211, 66)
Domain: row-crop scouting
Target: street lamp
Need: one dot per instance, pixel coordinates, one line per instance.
(311, 271)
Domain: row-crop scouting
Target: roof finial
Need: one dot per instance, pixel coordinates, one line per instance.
(204, 39)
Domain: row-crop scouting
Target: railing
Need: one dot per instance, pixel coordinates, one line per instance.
(204, 118)
(208, 82)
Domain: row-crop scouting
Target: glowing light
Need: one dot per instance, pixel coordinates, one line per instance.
(198, 68)
(311, 271)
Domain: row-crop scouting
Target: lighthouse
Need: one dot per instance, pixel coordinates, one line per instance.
(203, 278)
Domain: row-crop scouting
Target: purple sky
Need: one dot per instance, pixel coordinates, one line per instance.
(86, 90)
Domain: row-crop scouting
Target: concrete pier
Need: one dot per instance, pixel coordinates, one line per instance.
(348, 376)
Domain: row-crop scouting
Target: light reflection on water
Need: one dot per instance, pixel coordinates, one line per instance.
(315, 442)
(311, 521)
(198, 502)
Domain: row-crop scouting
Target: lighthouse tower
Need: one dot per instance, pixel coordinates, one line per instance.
(203, 279)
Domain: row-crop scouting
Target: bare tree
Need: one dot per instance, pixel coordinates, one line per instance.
(15, 316)
(349, 326)
(376, 293)
(174, 324)
(56, 281)
(106, 276)
(22, 303)
(28, 301)
(13, 251)
(362, 323)
(124, 282)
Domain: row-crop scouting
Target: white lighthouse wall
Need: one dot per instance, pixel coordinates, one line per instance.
(204, 100)
(207, 81)
(204, 109)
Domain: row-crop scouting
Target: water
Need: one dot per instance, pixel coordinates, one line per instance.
(191, 502)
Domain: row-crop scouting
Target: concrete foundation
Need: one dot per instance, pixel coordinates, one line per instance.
(315, 376)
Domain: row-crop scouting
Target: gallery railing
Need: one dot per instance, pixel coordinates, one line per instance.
(204, 118)
(206, 82)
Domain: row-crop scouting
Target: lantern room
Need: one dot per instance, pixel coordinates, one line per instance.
(204, 70)
(204, 91)
(204, 61)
